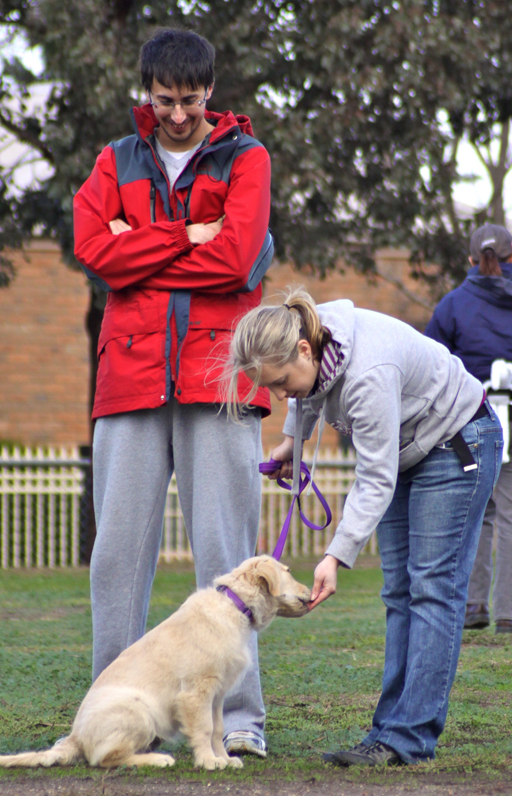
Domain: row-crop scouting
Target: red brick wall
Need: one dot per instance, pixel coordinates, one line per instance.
(44, 352)
(380, 295)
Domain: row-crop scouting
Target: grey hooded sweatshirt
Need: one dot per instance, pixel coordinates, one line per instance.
(399, 394)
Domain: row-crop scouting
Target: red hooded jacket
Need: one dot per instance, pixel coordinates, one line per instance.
(172, 307)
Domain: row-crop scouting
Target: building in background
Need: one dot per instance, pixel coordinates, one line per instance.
(44, 364)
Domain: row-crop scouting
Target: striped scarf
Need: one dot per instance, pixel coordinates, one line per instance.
(330, 366)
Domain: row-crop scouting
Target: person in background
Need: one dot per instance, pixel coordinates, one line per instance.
(474, 322)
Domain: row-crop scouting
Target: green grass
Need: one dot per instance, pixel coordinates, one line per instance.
(321, 676)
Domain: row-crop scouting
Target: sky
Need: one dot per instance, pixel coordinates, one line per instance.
(28, 167)
(478, 193)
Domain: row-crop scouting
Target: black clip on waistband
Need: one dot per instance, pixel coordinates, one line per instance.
(460, 446)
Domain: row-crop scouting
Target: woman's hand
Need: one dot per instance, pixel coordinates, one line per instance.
(283, 453)
(326, 576)
(118, 225)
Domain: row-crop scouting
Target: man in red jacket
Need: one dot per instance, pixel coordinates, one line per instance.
(173, 222)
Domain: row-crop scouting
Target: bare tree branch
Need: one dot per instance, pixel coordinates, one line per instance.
(497, 171)
(26, 137)
(449, 195)
(481, 158)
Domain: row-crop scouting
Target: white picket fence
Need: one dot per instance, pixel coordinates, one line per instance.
(40, 496)
(42, 501)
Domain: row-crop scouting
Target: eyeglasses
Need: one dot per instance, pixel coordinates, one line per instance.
(188, 102)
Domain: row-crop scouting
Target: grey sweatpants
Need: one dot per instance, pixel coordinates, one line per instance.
(498, 513)
(216, 465)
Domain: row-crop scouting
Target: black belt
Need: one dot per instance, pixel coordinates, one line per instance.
(482, 411)
(460, 446)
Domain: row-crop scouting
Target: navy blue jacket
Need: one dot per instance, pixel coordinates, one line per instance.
(474, 321)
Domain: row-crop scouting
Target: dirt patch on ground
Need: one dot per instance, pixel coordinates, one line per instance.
(340, 785)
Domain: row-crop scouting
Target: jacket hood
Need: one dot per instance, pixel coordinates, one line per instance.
(339, 317)
(495, 290)
(145, 122)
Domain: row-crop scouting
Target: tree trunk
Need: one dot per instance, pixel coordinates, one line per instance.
(93, 319)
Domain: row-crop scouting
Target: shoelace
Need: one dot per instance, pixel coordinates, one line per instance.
(266, 468)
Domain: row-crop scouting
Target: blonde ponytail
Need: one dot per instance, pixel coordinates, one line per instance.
(270, 335)
(311, 327)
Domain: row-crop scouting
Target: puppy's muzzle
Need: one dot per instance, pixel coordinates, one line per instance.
(294, 604)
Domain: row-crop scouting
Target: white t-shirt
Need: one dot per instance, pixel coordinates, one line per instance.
(174, 162)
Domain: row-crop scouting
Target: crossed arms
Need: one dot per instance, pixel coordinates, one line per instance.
(206, 255)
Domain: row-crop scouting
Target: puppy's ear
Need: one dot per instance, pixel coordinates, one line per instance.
(267, 571)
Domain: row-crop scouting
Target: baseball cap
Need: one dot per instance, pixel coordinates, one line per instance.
(491, 236)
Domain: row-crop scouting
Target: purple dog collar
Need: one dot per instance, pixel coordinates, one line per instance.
(271, 466)
(238, 602)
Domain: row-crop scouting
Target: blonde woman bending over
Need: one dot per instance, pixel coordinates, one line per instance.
(428, 450)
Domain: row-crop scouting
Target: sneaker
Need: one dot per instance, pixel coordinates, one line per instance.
(334, 757)
(245, 743)
(477, 617)
(377, 754)
(503, 626)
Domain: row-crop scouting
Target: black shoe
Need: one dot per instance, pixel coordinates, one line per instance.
(377, 754)
(334, 757)
(503, 626)
(477, 617)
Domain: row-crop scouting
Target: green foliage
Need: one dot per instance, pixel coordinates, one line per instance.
(321, 678)
(361, 105)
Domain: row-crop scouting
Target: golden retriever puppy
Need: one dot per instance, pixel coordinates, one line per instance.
(177, 675)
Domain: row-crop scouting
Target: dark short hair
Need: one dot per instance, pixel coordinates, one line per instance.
(178, 58)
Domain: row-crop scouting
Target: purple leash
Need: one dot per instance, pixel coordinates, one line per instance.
(266, 468)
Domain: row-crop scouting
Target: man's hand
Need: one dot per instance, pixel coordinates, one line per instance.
(204, 233)
(326, 576)
(118, 225)
(283, 453)
(197, 233)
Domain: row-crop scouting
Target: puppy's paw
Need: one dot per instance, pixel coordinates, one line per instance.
(211, 763)
(235, 762)
(142, 759)
(163, 761)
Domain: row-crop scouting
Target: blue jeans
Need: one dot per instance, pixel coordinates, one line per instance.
(428, 540)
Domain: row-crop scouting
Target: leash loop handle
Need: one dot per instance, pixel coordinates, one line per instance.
(266, 468)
